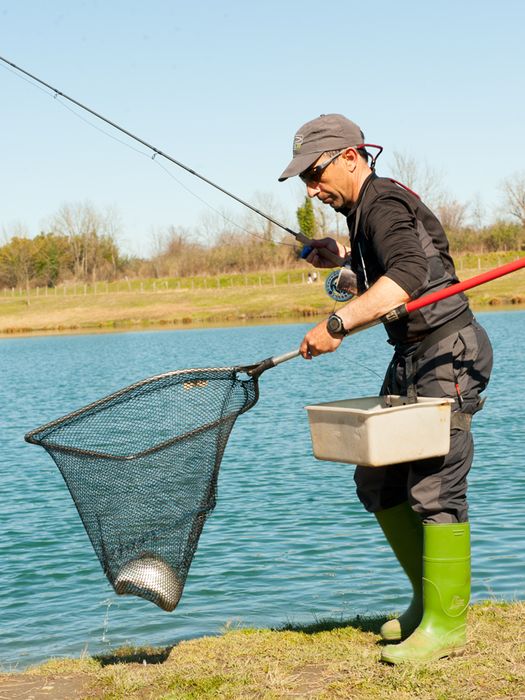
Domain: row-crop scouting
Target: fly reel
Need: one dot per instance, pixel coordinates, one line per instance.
(341, 285)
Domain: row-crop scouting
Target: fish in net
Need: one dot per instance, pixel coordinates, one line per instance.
(142, 466)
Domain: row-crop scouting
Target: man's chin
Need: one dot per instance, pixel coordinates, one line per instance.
(332, 203)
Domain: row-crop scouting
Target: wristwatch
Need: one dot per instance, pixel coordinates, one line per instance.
(335, 325)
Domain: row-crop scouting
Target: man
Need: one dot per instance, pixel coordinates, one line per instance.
(399, 251)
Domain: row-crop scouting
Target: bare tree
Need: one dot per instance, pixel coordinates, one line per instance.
(91, 237)
(514, 190)
(478, 210)
(267, 203)
(175, 253)
(329, 222)
(211, 223)
(322, 218)
(451, 213)
(17, 229)
(17, 260)
(419, 177)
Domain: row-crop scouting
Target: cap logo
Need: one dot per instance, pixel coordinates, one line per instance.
(297, 143)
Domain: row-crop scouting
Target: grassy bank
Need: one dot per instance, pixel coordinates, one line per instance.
(211, 300)
(328, 660)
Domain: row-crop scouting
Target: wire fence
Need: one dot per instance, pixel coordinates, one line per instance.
(160, 285)
(465, 264)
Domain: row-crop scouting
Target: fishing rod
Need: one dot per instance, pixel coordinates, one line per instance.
(298, 235)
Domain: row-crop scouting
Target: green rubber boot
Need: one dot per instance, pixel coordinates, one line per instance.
(404, 531)
(446, 594)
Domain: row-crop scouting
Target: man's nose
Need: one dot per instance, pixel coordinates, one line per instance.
(312, 190)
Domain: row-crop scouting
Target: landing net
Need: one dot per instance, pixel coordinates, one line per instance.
(142, 466)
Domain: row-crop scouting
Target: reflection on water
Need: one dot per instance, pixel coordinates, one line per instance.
(288, 540)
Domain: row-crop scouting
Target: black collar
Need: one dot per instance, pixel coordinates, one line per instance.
(362, 191)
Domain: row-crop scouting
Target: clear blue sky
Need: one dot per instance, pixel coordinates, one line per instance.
(223, 86)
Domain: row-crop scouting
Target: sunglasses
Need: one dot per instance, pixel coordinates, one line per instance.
(315, 173)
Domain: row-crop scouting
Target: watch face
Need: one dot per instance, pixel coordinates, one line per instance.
(335, 324)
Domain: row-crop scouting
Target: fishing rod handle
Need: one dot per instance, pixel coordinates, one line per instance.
(336, 260)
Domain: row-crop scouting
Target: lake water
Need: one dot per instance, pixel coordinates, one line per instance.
(288, 541)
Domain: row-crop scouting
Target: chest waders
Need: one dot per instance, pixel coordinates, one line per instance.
(401, 526)
(435, 557)
(411, 358)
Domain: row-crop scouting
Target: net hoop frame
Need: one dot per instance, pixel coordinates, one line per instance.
(101, 403)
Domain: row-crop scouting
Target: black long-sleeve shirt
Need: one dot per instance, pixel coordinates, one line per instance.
(399, 237)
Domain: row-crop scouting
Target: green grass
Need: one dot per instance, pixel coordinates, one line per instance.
(333, 659)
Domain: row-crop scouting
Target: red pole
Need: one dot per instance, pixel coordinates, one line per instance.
(467, 284)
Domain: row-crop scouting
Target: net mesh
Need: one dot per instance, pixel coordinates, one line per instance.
(142, 465)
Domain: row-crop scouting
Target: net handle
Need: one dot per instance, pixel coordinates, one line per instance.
(255, 371)
(278, 359)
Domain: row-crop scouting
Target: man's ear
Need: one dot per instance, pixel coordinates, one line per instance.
(350, 157)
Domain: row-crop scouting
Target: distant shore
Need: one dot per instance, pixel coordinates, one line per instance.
(74, 310)
(328, 659)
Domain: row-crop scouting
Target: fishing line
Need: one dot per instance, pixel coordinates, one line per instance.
(159, 164)
(156, 151)
(368, 369)
(22, 77)
(219, 212)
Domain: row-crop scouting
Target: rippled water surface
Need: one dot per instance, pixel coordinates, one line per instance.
(288, 541)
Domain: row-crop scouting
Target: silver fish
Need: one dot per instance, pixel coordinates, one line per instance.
(148, 576)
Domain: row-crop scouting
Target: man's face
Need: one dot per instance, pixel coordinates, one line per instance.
(330, 180)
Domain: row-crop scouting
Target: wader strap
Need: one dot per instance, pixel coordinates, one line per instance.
(409, 378)
(453, 326)
(460, 421)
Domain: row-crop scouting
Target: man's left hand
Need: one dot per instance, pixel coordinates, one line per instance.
(318, 341)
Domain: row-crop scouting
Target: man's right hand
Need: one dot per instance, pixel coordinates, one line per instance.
(326, 253)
